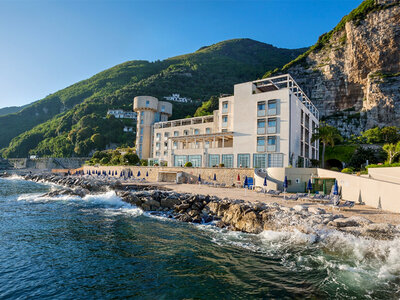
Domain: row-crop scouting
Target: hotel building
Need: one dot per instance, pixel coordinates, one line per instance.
(265, 123)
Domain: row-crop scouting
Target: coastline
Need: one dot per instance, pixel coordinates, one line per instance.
(233, 209)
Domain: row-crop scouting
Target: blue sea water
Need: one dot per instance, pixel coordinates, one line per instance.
(99, 247)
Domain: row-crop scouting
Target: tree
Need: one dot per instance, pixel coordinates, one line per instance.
(131, 158)
(392, 151)
(327, 135)
(390, 134)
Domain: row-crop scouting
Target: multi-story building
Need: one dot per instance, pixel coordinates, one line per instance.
(121, 114)
(266, 123)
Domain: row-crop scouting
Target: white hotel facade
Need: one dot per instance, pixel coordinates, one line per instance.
(266, 123)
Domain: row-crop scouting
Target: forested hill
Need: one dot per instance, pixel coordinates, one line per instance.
(71, 121)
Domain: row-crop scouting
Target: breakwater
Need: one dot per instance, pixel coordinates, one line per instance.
(232, 214)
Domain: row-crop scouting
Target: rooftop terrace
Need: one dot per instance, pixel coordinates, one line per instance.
(285, 82)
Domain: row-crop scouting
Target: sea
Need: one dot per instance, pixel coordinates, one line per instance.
(99, 247)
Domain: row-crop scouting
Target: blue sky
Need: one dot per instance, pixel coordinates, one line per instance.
(48, 45)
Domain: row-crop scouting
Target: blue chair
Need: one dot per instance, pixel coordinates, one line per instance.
(250, 183)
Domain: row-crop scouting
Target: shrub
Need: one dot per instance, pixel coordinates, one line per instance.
(188, 164)
(221, 165)
(383, 165)
(144, 162)
(335, 169)
(348, 170)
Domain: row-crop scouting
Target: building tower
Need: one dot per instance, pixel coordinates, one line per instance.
(149, 111)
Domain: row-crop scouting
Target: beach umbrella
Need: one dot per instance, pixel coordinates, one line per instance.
(336, 189)
(138, 173)
(89, 173)
(215, 177)
(199, 179)
(109, 172)
(116, 173)
(238, 178)
(246, 182)
(147, 174)
(265, 181)
(285, 185)
(309, 186)
(112, 173)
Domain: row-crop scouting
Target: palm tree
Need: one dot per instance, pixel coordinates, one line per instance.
(327, 135)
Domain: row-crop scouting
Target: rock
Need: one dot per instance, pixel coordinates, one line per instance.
(353, 221)
(300, 208)
(193, 213)
(182, 206)
(316, 210)
(286, 209)
(379, 228)
(170, 202)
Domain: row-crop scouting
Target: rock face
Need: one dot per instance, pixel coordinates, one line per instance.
(357, 69)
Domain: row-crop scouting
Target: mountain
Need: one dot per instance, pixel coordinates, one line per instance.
(11, 109)
(71, 122)
(352, 73)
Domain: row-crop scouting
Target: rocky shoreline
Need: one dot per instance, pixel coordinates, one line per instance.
(236, 215)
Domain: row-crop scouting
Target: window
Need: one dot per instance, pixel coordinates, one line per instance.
(180, 160)
(302, 117)
(260, 144)
(224, 107)
(166, 134)
(261, 126)
(185, 132)
(261, 109)
(271, 143)
(141, 121)
(259, 161)
(141, 130)
(208, 130)
(224, 130)
(147, 103)
(175, 145)
(176, 133)
(272, 125)
(307, 122)
(227, 160)
(243, 160)
(213, 160)
(141, 139)
(307, 151)
(224, 121)
(275, 160)
(165, 153)
(196, 131)
(157, 146)
(158, 136)
(157, 154)
(162, 108)
(196, 145)
(165, 144)
(195, 160)
(207, 144)
(271, 107)
(301, 149)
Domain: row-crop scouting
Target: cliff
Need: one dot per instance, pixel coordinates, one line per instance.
(355, 68)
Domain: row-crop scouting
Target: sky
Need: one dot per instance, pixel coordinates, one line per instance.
(47, 45)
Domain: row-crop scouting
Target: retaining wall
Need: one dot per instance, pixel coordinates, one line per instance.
(224, 175)
(47, 163)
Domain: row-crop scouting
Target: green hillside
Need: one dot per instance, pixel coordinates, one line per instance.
(71, 122)
(11, 109)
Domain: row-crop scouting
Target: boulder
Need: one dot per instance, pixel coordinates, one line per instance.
(300, 208)
(170, 202)
(316, 210)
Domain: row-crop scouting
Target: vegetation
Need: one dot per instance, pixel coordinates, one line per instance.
(348, 170)
(383, 165)
(119, 157)
(365, 154)
(11, 110)
(207, 107)
(188, 164)
(52, 126)
(344, 153)
(392, 150)
(356, 16)
(327, 135)
(376, 135)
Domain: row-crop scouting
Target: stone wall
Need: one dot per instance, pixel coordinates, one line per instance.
(224, 175)
(47, 163)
